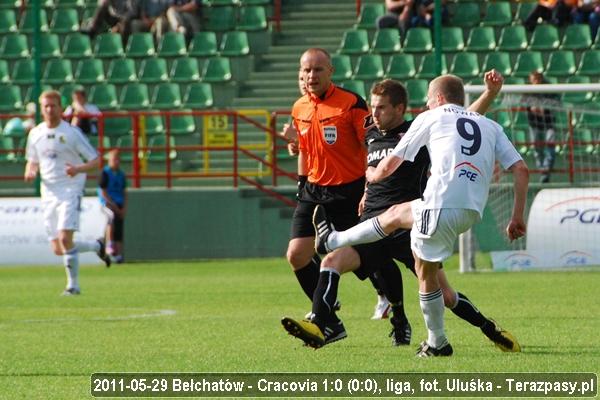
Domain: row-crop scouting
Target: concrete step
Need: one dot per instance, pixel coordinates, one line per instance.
(271, 103)
(283, 91)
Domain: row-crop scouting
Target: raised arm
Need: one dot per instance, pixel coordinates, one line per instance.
(493, 84)
(516, 227)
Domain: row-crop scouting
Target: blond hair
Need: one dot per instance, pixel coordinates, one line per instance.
(51, 94)
(451, 87)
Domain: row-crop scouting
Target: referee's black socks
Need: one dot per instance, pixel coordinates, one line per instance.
(309, 276)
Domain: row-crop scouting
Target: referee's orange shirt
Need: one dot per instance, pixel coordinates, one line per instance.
(332, 134)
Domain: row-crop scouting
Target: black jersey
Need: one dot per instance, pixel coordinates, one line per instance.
(405, 184)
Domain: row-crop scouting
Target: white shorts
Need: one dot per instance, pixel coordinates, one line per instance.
(61, 211)
(434, 232)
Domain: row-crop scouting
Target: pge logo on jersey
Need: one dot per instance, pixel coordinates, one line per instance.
(468, 171)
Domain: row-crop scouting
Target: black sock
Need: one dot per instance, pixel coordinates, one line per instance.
(390, 280)
(309, 276)
(466, 310)
(374, 281)
(325, 297)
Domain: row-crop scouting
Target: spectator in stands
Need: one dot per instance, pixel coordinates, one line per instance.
(541, 126)
(424, 13)
(184, 16)
(399, 15)
(117, 14)
(152, 17)
(113, 197)
(588, 11)
(79, 113)
(557, 12)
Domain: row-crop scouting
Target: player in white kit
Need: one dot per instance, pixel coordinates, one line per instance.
(463, 147)
(62, 155)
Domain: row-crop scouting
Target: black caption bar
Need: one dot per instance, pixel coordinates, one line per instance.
(344, 384)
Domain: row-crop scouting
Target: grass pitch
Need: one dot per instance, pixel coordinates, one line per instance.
(224, 316)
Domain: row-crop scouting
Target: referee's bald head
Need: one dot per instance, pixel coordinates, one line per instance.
(450, 87)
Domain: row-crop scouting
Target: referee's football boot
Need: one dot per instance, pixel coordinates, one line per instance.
(401, 332)
(503, 339)
(334, 332)
(425, 350)
(323, 228)
(102, 253)
(71, 292)
(306, 331)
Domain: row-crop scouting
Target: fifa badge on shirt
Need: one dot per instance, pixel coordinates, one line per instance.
(330, 134)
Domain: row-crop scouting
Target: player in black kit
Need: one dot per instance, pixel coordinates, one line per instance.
(388, 105)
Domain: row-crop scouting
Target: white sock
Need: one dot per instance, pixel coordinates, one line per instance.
(84, 247)
(366, 232)
(432, 306)
(71, 262)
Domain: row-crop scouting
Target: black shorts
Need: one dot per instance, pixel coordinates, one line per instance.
(373, 255)
(340, 202)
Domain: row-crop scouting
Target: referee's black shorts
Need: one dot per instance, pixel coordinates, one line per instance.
(340, 202)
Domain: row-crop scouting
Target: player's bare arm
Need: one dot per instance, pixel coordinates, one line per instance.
(493, 84)
(73, 170)
(31, 170)
(384, 169)
(516, 227)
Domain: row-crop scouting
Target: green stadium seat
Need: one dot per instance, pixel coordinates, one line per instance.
(184, 70)
(561, 63)
(104, 95)
(386, 41)
(252, 18)
(13, 46)
(596, 44)
(8, 21)
(90, 71)
(160, 155)
(417, 92)
(545, 37)
(497, 14)
(49, 45)
(589, 119)
(355, 42)
(166, 96)
(256, 2)
(198, 96)
(356, 86)
(135, 96)
(590, 63)
(512, 38)
(527, 62)
(465, 66)
(66, 91)
(524, 9)
(466, 15)
(203, 44)
(118, 126)
(154, 124)
(57, 72)
(108, 45)
(235, 44)
(153, 70)
(221, 19)
(26, 23)
(584, 141)
(499, 60)
(65, 21)
(95, 141)
(401, 67)
(125, 143)
(427, 68)
(182, 124)
(520, 120)
(121, 70)
(70, 3)
(7, 149)
(342, 67)
(452, 39)
(11, 99)
(214, 3)
(418, 40)
(217, 69)
(577, 37)
(10, 4)
(140, 45)
(4, 74)
(481, 38)
(520, 139)
(77, 45)
(22, 72)
(369, 67)
(172, 44)
(369, 13)
(578, 97)
(514, 80)
(502, 118)
(29, 95)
